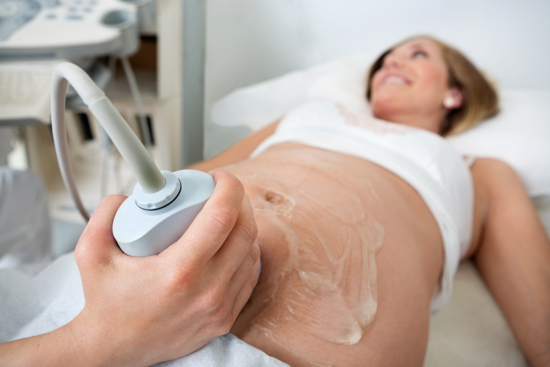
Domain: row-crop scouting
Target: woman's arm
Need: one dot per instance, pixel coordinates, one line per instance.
(513, 256)
(238, 152)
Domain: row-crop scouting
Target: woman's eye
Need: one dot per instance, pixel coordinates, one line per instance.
(419, 53)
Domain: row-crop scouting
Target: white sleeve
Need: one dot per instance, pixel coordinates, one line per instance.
(25, 233)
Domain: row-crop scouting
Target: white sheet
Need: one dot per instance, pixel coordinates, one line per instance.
(54, 297)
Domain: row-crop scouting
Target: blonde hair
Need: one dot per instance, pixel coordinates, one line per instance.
(480, 99)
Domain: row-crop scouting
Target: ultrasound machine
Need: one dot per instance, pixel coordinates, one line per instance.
(36, 35)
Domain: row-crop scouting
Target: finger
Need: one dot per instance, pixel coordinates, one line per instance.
(97, 244)
(238, 244)
(212, 225)
(243, 283)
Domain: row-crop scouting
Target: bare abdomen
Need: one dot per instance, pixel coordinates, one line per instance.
(324, 220)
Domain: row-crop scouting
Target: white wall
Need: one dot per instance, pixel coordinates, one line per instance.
(249, 41)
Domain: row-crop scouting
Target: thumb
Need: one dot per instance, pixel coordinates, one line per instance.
(96, 244)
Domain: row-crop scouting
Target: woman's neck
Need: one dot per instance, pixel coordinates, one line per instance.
(427, 121)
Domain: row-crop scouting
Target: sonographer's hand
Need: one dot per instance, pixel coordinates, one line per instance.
(140, 311)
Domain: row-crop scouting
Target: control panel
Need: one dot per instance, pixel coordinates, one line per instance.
(67, 29)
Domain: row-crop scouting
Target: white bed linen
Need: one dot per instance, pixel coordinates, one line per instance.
(36, 305)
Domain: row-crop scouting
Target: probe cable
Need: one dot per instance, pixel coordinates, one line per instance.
(132, 151)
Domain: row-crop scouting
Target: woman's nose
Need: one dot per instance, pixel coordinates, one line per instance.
(392, 61)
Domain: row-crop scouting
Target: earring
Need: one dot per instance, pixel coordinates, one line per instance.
(448, 102)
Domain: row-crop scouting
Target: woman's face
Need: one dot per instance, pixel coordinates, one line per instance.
(412, 86)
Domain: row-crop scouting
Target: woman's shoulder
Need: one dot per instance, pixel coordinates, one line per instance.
(496, 177)
(492, 169)
(498, 190)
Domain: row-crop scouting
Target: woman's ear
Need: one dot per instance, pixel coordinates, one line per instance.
(453, 99)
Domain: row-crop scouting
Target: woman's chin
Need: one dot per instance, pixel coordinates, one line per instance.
(385, 106)
(384, 113)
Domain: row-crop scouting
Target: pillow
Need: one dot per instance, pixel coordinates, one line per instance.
(519, 135)
(256, 106)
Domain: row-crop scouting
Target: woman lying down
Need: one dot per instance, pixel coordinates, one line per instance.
(362, 223)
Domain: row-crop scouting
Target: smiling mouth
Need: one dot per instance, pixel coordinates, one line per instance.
(395, 79)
